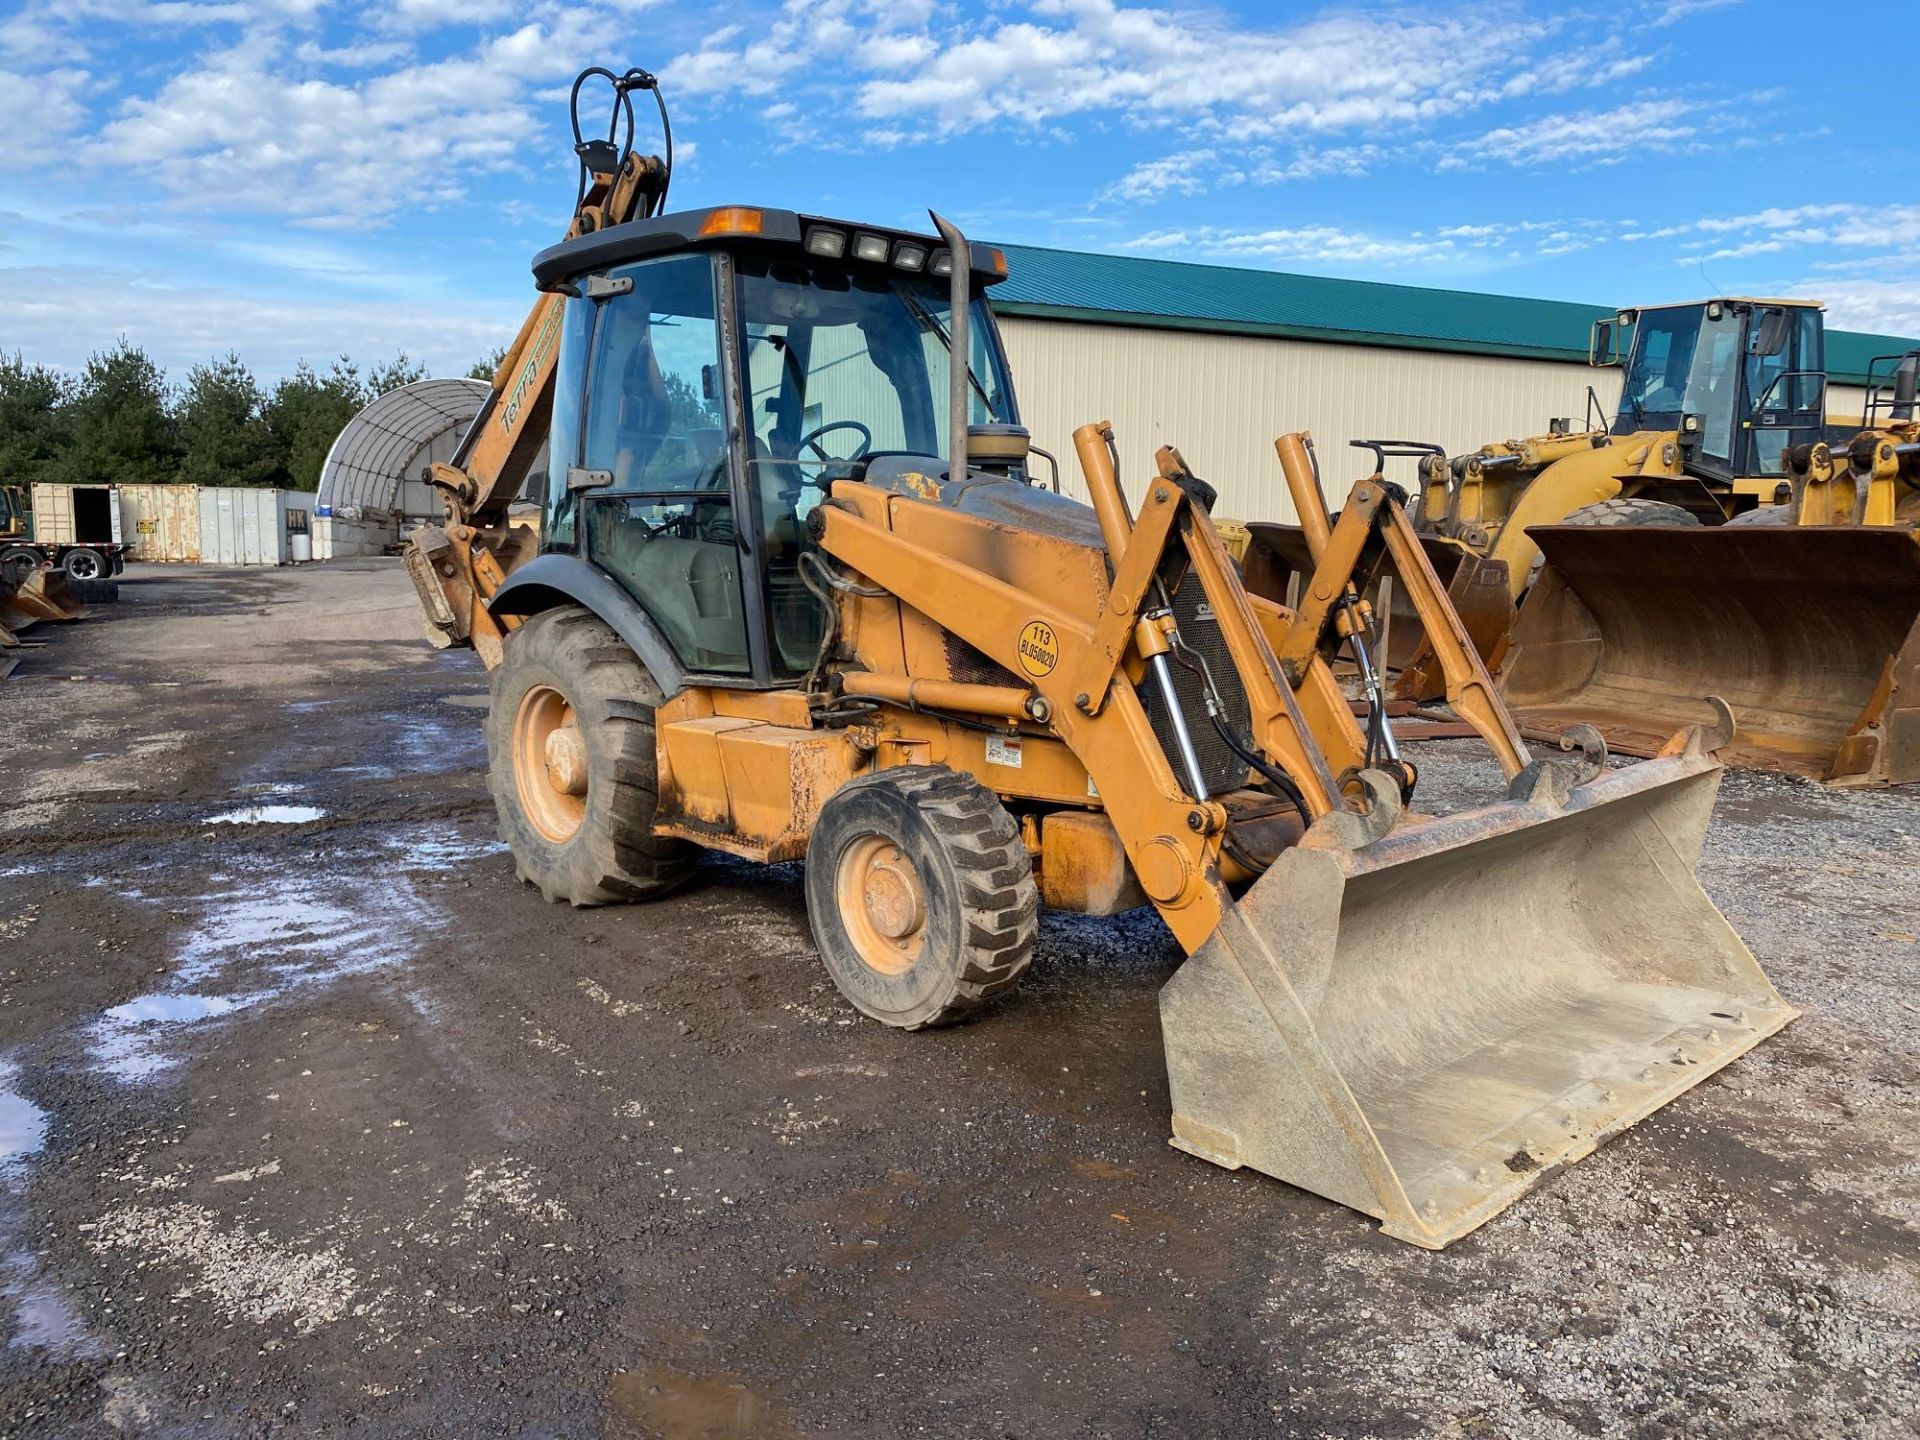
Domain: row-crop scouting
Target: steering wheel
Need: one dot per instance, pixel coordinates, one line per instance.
(811, 440)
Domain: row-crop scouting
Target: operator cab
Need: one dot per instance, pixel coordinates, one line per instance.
(823, 346)
(1739, 380)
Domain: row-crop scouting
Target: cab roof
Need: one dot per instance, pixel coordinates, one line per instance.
(735, 227)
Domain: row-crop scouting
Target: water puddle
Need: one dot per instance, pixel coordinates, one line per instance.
(23, 1124)
(43, 1317)
(439, 852)
(258, 939)
(675, 1406)
(269, 815)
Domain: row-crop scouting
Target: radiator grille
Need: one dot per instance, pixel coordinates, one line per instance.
(1222, 769)
(966, 664)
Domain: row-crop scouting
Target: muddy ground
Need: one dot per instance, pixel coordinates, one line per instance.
(315, 1122)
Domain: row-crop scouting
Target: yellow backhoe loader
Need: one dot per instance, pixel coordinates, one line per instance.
(798, 596)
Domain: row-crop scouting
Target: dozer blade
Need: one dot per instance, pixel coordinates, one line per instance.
(1425, 1027)
(1811, 633)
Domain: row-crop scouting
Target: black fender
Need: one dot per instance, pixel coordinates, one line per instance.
(560, 579)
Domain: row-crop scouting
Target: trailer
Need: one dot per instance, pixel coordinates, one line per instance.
(71, 528)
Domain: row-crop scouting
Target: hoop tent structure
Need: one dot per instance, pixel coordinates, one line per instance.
(370, 485)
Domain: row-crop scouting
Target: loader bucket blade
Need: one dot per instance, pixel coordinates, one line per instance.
(42, 595)
(1811, 633)
(1424, 1028)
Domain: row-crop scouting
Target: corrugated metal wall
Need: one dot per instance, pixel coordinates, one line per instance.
(1223, 398)
(245, 526)
(161, 522)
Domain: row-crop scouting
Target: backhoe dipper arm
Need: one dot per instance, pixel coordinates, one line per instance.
(486, 472)
(457, 567)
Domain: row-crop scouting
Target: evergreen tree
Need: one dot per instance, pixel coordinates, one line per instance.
(122, 433)
(487, 367)
(305, 415)
(223, 435)
(391, 376)
(33, 424)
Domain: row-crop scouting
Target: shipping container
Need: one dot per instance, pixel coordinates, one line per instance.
(251, 527)
(161, 522)
(76, 514)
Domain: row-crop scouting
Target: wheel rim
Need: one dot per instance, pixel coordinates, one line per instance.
(882, 904)
(550, 764)
(85, 566)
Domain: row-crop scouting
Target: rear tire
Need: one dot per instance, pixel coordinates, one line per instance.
(1631, 512)
(921, 895)
(1765, 515)
(85, 565)
(590, 843)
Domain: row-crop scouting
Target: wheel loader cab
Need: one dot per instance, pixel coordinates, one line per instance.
(821, 346)
(1737, 380)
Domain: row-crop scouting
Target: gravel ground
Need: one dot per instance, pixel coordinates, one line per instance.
(313, 1121)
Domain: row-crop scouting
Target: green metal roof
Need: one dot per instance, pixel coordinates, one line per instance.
(1224, 300)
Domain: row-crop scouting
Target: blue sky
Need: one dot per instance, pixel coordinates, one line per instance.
(297, 178)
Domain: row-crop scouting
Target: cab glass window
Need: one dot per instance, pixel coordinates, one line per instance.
(563, 441)
(840, 366)
(660, 516)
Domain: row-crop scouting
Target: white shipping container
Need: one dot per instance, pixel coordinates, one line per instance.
(76, 514)
(251, 526)
(161, 522)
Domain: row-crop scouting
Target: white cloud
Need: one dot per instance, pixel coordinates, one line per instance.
(1180, 174)
(236, 132)
(1605, 137)
(1154, 66)
(1884, 307)
(1310, 244)
(38, 112)
(60, 315)
(1674, 11)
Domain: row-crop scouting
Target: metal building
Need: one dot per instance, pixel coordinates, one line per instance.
(1219, 361)
(370, 485)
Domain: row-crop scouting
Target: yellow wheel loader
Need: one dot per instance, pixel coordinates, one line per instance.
(1656, 593)
(1803, 614)
(797, 595)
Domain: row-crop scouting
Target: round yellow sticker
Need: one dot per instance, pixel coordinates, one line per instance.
(1039, 649)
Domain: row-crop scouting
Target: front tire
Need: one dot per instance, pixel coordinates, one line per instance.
(921, 895)
(572, 766)
(1631, 512)
(1768, 515)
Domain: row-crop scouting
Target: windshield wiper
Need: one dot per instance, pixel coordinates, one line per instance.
(929, 321)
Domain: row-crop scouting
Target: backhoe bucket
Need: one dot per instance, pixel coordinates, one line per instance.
(1811, 633)
(1425, 1027)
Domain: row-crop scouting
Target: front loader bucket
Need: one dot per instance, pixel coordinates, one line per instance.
(1425, 1027)
(1811, 633)
(42, 595)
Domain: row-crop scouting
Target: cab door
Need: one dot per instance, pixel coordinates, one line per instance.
(641, 481)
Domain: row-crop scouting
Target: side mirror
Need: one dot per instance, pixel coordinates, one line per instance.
(710, 384)
(1600, 344)
(1770, 335)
